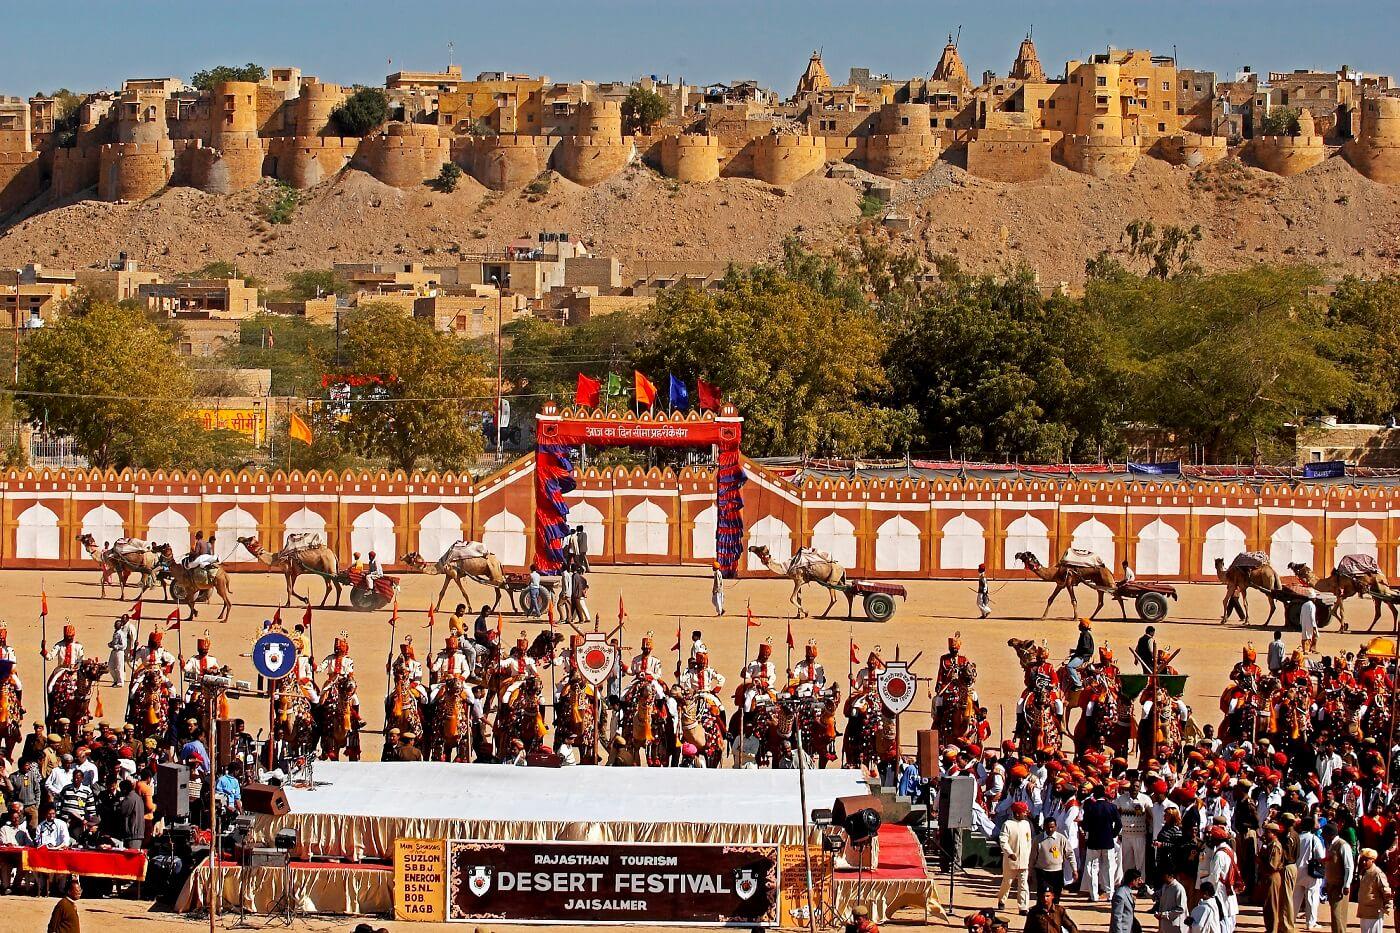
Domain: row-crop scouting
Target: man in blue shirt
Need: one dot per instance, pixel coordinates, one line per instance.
(229, 788)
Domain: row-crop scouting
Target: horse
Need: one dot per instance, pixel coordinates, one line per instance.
(70, 693)
(11, 718)
(1110, 723)
(521, 719)
(148, 704)
(402, 709)
(294, 721)
(814, 723)
(644, 724)
(450, 727)
(576, 718)
(1039, 727)
(337, 714)
(702, 726)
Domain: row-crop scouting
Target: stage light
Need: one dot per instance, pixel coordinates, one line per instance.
(285, 839)
(859, 816)
(822, 817)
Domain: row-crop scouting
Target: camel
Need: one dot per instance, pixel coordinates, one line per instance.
(1240, 580)
(807, 566)
(1066, 577)
(294, 561)
(1344, 586)
(140, 560)
(193, 582)
(485, 570)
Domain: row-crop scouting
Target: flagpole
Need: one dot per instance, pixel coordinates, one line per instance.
(44, 644)
(180, 643)
(432, 617)
(393, 624)
(678, 649)
(743, 717)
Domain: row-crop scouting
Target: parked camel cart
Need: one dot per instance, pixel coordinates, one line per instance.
(876, 599)
(1149, 598)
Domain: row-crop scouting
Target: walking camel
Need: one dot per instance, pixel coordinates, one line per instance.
(808, 565)
(463, 561)
(1240, 578)
(187, 583)
(303, 553)
(127, 556)
(1067, 576)
(1344, 585)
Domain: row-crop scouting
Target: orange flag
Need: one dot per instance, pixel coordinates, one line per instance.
(298, 429)
(432, 615)
(753, 623)
(394, 619)
(43, 603)
(551, 613)
(790, 642)
(855, 659)
(172, 621)
(645, 391)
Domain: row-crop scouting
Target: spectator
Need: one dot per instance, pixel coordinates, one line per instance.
(13, 832)
(35, 742)
(64, 918)
(1205, 916)
(230, 789)
(194, 754)
(83, 762)
(91, 836)
(59, 777)
(1048, 915)
(1053, 855)
(27, 789)
(1121, 917)
(1172, 907)
(75, 801)
(132, 810)
(1311, 870)
(52, 832)
(1101, 826)
(1015, 841)
(1373, 894)
(1339, 869)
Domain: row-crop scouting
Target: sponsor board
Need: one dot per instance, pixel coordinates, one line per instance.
(420, 880)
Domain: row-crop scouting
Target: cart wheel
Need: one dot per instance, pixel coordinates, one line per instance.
(879, 607)
(177, 593)
(362, 598)
(534, 603)
(1152, 607)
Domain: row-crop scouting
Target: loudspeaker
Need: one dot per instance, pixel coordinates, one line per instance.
(859, 816)
(264, 798)
(955, 797)
(173, 791)
(223, 742)
(928, 753)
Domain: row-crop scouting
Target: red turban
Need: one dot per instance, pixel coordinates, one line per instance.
(1020, 808)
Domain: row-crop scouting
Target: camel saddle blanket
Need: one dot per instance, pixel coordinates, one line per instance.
(203, 577)
(384, 586)
(1078, 557)
(465, 550)
(1248, 560)
(809, 558)
(301, 541)
(1357, 565)
(124, 546)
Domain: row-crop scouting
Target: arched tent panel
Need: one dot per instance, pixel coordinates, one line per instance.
(702, 536)
(439, 530)
(1223, 541)
(1027, 533)
(172, 528)
(1093, 535)
(504, 535)
(1159, 550)
(1290, 544)
(36, 534)
(835, 535)
(773, 533)
(234, 524)
(648, 529)
(1356, 538)
(897, 546)
(964, 543)
(105, 524)
(306, 521)
(594, 525)
(372, 530)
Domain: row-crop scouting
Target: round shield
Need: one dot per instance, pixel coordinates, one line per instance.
(274, 655)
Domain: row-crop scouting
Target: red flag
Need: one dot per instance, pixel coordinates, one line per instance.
(499, 623)
(855, 659)
(43, 603)
(677, 646)
(394, 619)
(645, 391)
(432, 614)
(586, 395)
(752, 622)
(551, 613)
(306, 616)
(136, 612)
(172, 621)
(277, 617)
(791, 643)
(621, 612)
(709, 396)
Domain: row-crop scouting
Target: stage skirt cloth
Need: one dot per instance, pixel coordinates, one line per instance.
(900, 881)
(121, 864)
(318, 889)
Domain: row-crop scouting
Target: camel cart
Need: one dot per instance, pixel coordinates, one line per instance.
(1149, 598)
(370, 595)
(876, 599)
(1293, 598)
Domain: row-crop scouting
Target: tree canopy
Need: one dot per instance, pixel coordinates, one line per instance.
(362, 111)
(209, 78)
(642, 109)
(112, 381)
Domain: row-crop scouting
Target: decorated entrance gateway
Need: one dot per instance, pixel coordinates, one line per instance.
(558, 433)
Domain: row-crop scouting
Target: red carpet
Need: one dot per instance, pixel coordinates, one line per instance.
(901, 856)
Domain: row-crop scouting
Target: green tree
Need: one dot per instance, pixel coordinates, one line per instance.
(429, 407)
(208, 79)
(795, 346)
(543, 359)
(1281, 121)
(1367, 314)
(642, 109)
(1223, 361)
(362, 111)
(113, 382)
(292, 347)
(448, 177)
(996, 371)
(315, 283)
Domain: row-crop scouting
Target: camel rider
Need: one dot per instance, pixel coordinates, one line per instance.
(515, 668)
(68, 654)
(1246, 673)
(1082, 654)
(759, 676)
(201, 552)
(7, 653)
(373, 569)
(450, 664)
(305, 674)
(568, 660)
(1178, 705)
(705, 682)
(864, 681)
(809, 675)
(1372, 675)
(153, 652)
(457, 622)
(951, 667)
(339, 664)
(697, 645)
(1041, 678)
(647, 667)
(357, 563)
(201, 664)
(408, 665)
(1295, 671)
(1109, 672)
(483, 633)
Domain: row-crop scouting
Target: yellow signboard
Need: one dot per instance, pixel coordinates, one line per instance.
(794, 912)
(420, 880)
(250, 422)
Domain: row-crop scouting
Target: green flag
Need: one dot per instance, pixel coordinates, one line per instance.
(614, 384)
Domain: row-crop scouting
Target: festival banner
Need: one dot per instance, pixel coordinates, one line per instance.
(420, 879)
(643, 432)
(250, 422)
(581, 882)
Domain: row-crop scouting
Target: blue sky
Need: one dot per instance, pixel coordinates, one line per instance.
(95, 44)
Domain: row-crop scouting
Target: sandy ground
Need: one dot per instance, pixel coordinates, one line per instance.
(653, 598)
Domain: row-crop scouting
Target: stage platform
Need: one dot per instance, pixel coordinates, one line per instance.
(316, 888)
(900, 880)
(358, 809)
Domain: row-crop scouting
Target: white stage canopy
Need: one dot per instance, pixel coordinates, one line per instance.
(358, 808)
